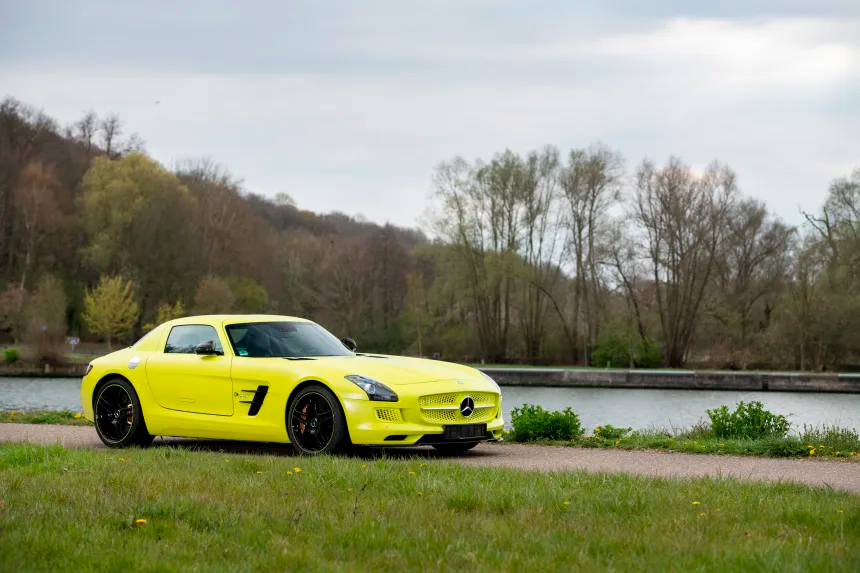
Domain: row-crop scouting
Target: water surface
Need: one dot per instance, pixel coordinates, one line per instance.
(637, 408)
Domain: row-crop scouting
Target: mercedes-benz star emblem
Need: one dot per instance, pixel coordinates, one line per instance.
(467, 406)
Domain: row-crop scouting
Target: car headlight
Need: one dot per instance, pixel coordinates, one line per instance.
(487, 376)
(375, 390)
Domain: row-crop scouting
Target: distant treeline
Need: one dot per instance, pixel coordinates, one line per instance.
(538, 258)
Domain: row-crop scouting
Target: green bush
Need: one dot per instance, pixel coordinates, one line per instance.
(648, 354)
(610, 432)
(610, 352)
(11, 355)
(749, 420)
(535, 423)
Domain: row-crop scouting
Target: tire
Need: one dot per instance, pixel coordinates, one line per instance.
(316, 424)
(455, 448)
(118, 415)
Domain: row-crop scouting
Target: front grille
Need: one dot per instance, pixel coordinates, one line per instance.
(451, 401)
(389, 415)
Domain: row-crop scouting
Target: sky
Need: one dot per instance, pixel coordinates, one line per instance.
(350, 106)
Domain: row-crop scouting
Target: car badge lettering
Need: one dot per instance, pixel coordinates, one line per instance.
(132, 364)
(459, 381)
(467, 406)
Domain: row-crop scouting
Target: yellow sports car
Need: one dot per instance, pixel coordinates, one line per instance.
(283, 379)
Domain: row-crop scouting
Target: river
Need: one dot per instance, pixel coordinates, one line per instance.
(639, 409)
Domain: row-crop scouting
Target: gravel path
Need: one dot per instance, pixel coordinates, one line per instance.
(843, 475)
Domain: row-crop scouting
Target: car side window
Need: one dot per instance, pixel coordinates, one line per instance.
(185, 338)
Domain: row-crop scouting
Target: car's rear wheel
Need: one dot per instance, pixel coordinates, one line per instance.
(118, 416)
(316, 423)
(455, 448)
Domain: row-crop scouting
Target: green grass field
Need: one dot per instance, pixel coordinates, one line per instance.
(170, 509)
(65, 417)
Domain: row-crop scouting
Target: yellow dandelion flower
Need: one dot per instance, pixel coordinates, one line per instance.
(140, 522)
(364, 466)
(821, 446)
(702, 514)
(718, 509)
(412, 473)
(259, 472)
(697, 503)
(289, 473)
(298, 470)
(840, 511)
(617, 442)
(422, 465)
(812, 452)
(837, 453)
(349, 489)
(122, 459)
(78, 416)
(567, 503)
(420, 494)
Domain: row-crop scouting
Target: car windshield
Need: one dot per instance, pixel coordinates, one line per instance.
(284, 340)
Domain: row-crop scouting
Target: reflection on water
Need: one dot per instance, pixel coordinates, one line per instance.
(595, 406)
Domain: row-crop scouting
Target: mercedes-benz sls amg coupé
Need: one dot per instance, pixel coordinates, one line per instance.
(283, 379)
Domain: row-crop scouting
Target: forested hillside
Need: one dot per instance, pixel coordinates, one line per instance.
(546, 257)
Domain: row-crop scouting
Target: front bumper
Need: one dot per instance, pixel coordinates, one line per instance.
(406, 423)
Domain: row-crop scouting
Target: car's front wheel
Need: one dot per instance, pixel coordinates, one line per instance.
(455, 448)
(315, 422)
(118, 416)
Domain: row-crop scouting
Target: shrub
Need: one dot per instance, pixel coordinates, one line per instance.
(11, 355)
(610, 352)
(749, 420)
(648, 354)
(535, 423)
(610, 432)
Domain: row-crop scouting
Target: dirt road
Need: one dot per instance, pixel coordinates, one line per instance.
(835, 474)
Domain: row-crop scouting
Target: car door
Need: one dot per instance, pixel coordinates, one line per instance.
(185, 381)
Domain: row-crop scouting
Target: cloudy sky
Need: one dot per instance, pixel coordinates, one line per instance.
(349, 105)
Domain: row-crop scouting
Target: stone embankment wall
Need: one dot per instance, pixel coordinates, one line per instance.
(676, 379)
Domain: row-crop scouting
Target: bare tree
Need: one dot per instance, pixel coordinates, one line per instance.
(682, 218)
(591, 183)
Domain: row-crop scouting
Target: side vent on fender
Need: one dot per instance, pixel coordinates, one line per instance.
(257, 402)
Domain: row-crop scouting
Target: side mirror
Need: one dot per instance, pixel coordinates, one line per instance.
(349, 343)
(207, 349)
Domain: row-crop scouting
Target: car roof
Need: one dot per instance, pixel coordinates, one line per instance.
(234, 319)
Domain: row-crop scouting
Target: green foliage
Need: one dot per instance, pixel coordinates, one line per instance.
(249, 295)
(610, 432)
(109, 309)
(10, 355)
(611, 351)
(214, 296)
(832, 438)
(64, 417)
(165, 313)
(749, 420)
(648, 354)
(534, 423)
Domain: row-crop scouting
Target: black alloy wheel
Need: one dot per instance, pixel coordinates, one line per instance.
(118, 416)
(315, 422)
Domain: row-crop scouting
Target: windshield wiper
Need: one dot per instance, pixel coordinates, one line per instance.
(297, 358)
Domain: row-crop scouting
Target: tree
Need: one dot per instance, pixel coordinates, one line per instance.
(136, 216)
(45, 318)
(682, 217)
(110, 310)
(214, 296)
(591, 183)
(36, 202)
(166, 312)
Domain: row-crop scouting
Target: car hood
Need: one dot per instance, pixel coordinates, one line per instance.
(398, 370)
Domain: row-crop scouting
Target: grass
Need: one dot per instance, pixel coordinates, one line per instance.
(819, 441)
(80, 510)
(65, 417)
